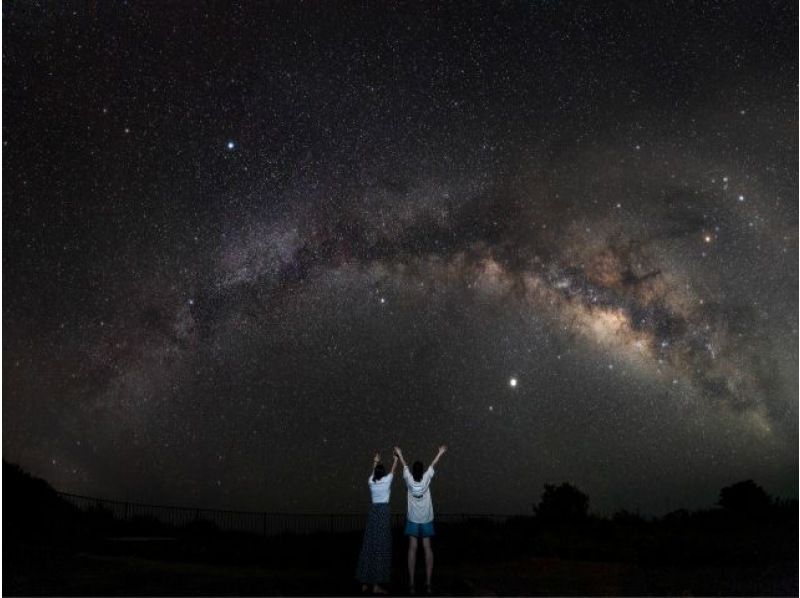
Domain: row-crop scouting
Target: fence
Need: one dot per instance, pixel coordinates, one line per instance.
(263, 523)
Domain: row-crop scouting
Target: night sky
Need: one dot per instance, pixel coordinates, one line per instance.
(245, 248)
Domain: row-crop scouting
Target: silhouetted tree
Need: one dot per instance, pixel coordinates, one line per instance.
(627, 518)
(747, 498)
(562, 503)
(32, 508)
(677, 516)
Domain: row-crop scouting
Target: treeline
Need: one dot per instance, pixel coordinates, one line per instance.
(745, 525)
(746, 499)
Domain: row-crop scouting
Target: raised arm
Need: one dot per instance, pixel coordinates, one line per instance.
(394, 464)
(375, 460)
(442, 451)
(399, 454)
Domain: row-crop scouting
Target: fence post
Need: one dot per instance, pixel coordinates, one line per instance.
(197, 514)
(330, 519)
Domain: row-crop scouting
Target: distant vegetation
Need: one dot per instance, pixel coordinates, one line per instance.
(562, 503)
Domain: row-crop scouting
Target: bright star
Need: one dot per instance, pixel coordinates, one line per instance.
(512, 383)
(230, 145)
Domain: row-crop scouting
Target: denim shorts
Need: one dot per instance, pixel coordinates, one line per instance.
(419, 530)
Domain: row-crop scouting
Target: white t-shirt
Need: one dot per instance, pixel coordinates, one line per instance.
(381, 489)
(420, 506)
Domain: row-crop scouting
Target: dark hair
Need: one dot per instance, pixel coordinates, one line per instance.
(417, 470)
(378, 472)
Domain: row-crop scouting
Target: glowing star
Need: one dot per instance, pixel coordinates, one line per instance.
(741, 198)
(512, 382)
(707, 238)
(230, 145)
(383, 299)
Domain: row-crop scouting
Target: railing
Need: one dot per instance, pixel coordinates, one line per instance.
(263, 523)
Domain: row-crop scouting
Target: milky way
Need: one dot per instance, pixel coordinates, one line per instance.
(242, 253)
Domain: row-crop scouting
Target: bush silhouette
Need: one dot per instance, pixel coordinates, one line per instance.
(564, 503)
(746, 498)
(32, 508)
(625, 517)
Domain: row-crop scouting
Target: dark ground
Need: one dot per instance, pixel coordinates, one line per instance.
(472, 559)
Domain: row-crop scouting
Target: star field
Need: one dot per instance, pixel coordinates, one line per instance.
(245, 248)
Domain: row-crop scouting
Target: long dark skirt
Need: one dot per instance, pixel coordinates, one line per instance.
(375, 561)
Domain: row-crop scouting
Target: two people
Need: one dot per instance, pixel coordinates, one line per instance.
(375, 560)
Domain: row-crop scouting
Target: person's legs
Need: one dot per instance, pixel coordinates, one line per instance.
(426, 545)
(412, 559)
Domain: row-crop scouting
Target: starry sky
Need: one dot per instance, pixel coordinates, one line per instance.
(246, 247)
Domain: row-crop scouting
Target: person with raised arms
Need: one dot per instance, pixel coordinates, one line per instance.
(419, 519)
(375, 561)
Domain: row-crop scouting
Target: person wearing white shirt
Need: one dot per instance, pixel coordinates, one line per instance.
(375, 560)
(419, 520)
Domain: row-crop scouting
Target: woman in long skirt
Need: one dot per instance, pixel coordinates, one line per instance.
(375, 561)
